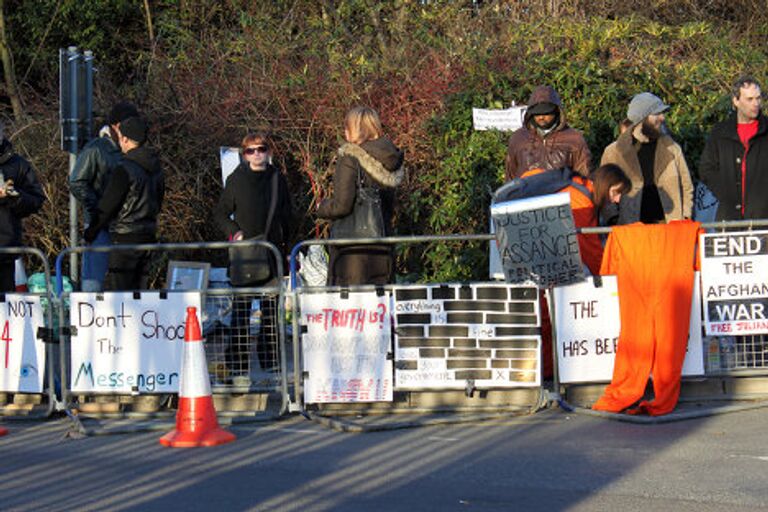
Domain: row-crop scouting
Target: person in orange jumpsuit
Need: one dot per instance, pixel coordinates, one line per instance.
(588, 198)
(654, 266)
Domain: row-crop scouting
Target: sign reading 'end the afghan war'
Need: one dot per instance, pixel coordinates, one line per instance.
(734, 278)
(537, 240)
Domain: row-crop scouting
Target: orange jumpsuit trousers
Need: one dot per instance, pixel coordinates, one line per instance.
(654, 267)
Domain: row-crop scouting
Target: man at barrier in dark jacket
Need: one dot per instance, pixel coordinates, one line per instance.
(87, 182)
(20, 195)
(130, 206)
(734, 163)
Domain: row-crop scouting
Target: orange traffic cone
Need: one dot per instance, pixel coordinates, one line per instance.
(196, 423)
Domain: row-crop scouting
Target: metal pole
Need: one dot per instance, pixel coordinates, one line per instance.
(74, 58)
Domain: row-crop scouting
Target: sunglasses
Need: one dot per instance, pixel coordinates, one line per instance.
(257, 149)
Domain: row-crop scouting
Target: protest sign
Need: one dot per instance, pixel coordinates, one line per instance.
(230, 159)
(446, 335)
(704, 204)
(22, 363)
(537, 240)
(734, 281)
(123, 344)
(587, 323)
(345, 347)
(509, 119)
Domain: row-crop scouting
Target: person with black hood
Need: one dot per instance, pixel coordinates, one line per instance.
(546, 141)
(130, 206)
(370, 162)
(87, 182)
(20, 196)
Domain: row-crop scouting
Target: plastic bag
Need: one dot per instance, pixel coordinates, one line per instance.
(313, 266)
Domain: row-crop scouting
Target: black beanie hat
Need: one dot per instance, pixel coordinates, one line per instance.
(542, 108)
(135, 129)
(122, 111)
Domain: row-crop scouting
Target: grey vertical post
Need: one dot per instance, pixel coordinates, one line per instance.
(74, 57)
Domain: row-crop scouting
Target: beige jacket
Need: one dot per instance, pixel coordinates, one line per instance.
(670, 173)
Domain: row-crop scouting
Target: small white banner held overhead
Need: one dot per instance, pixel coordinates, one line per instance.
(734, 282)
(588, 324)
(506, 120)
(22, 355)
(346, 346)
(122, 344)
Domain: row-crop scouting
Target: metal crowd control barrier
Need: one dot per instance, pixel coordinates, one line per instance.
(749, 356)
(297, 403)
(242, 304)
(48, 303)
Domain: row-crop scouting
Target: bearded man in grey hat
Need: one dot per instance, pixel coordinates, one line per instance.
(662, 189)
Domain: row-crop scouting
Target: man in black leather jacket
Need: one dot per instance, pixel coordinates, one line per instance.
(87, 182)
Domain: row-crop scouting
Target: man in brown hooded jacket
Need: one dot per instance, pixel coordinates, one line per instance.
(546, 141)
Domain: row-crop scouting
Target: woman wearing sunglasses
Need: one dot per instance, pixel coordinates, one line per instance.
(369, 163)
(256, 204)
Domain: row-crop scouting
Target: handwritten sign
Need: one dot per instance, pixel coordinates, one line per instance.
(509, 119)
(587, 323)
(124, 345)
(734, 280)
(537, 240)
(22, 355)
(704, 204)
(345, 347)
(449, 334)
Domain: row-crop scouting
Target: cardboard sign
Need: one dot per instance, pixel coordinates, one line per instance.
(537, 240)
(447, 335)
(126, 345)
(734, 282)
(587, 323)
(22, 355)
(345, 347)
(509, 119)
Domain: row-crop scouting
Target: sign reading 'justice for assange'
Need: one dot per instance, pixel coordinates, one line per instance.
(537, 240)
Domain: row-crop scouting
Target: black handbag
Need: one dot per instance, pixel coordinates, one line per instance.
(366, 219)
(248, 265)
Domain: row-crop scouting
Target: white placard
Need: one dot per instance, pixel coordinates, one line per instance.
(449, 334)
(734, 282)
(123, 344)
(345, 347)
(509, 119)
(22, 366)
(230, 159)
(537, 240)
(588, 324)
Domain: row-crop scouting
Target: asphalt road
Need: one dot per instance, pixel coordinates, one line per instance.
(550, 461)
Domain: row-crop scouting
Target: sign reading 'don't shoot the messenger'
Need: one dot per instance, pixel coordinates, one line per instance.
(734, 282)
(537, 240)
(123, 344)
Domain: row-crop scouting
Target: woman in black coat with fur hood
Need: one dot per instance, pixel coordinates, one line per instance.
(373, 159)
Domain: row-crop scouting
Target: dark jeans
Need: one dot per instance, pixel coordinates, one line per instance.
(128, 270)
(238, 351)
(7, 275)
